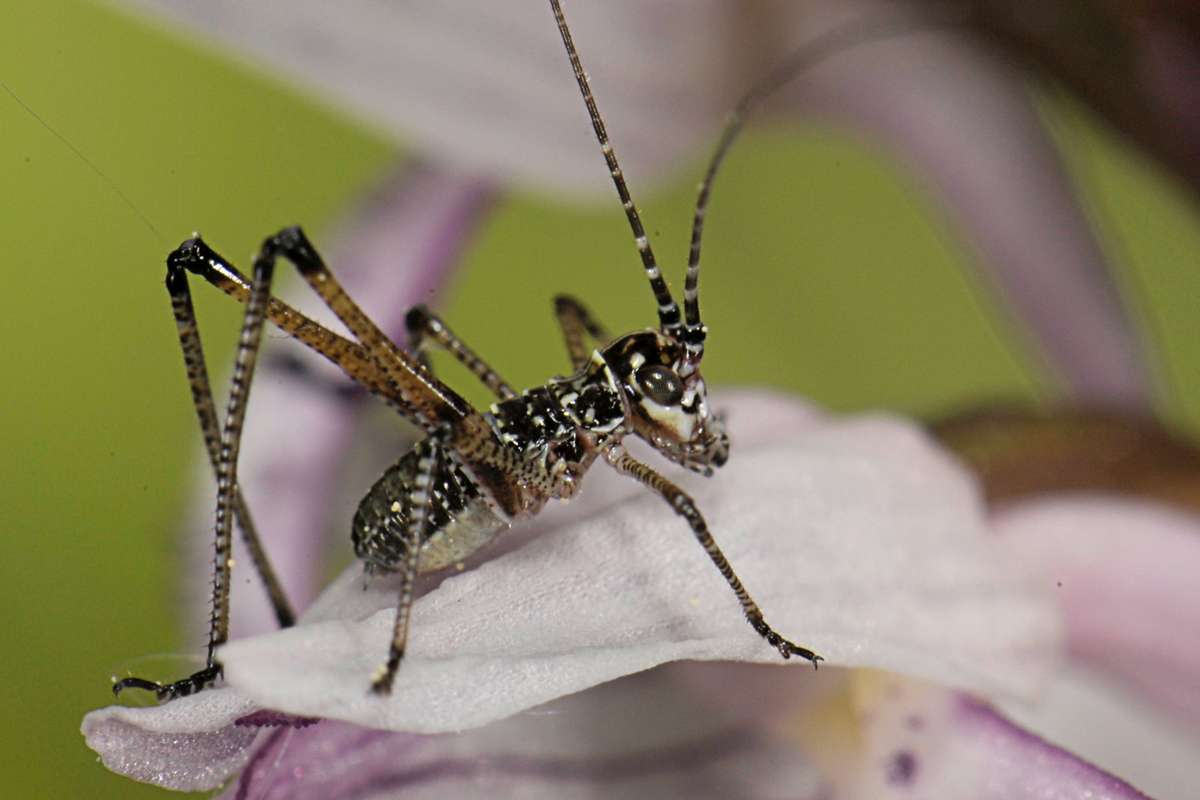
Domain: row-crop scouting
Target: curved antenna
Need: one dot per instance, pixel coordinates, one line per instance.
(668, 310)
(842, 37)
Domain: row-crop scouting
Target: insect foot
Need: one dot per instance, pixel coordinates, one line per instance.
(786, 648)
(169, 691)
(381, 681)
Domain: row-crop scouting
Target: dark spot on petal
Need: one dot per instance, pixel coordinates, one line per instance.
(266, 718)
(902, 768)
(914, 722)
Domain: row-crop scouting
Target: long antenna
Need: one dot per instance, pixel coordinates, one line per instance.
(842, 37)
(668, 310)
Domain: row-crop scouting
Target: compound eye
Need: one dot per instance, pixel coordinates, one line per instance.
(660, 384)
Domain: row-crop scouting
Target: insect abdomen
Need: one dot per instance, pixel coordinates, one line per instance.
(460, 521)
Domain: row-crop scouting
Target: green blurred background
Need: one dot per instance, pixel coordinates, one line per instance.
(858, 297)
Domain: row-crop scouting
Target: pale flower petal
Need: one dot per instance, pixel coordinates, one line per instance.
(857, 537)
(695, 730)
(1107, 723)
(928, 742)
(487, 85)
(1126, 574)
(191, 744)
(651, 735)
(964, 122)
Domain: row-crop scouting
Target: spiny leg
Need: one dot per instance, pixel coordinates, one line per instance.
(575, 321)
(423, 398)
(374, 361)
(419, 502)
(686, 508)
(202, 400)
(197, 257)
(424, 327)
(420, 396)
(226, 469)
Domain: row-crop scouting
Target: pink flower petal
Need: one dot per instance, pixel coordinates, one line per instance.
(488, 86)
(649, 735)
(189, 745)
(674, 732)
(856, 536)
(1101, 720)
(927, 742)
(964, 122)
(1125, 572)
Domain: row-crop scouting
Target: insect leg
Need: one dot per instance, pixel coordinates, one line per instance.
(401, 379)
(202, 399)
(419, 502)
(575, 321)
(420, 396)
(226, 469)
(685, 507)
(423, 398)
(424, 327)
(197, 257)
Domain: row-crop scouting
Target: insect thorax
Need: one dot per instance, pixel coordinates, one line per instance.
(558, 427)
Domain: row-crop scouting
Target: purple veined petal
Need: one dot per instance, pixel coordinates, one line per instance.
(925, 741)
(396, 251)
(190, 744)
(856, 536)
(1102, 721)
(659, 733)
(695, 730)
(644, 733)
(963, 121)
(1125, 572)
(488, 85)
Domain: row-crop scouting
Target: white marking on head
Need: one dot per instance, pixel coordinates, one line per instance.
(673, 418)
